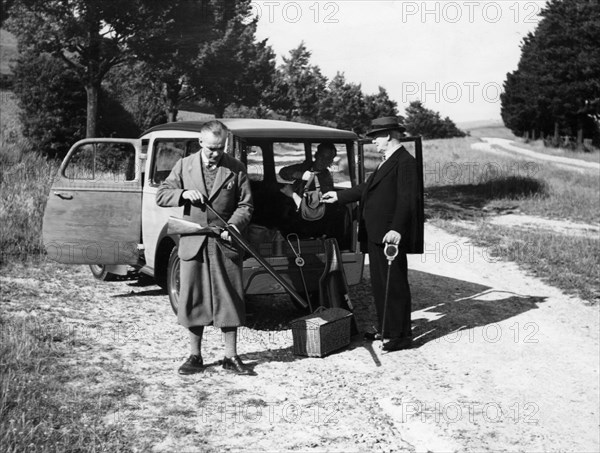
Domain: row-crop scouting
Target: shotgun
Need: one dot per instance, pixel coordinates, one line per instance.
(180, 226)
(183, 227)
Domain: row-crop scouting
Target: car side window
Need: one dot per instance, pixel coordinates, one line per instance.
(102, 162)
(287, 154)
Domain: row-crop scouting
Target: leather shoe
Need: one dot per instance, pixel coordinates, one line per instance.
(396, 344)
(372, 336)
(236, 365)
(192, 365)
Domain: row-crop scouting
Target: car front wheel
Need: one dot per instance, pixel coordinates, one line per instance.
(173, 279)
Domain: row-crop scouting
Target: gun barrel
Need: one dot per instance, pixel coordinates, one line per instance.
(242, 241)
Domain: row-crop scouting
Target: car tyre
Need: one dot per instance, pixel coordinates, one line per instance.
(99, 271)
(173, 279)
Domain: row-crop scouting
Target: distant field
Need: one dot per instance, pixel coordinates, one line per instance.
(459, 174)
(491, 130)
(498, 130)
(538, 146)
(462, 184)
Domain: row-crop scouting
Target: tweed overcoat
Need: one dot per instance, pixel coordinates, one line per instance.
(210, 293)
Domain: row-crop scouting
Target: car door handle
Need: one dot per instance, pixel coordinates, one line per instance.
(63, 196)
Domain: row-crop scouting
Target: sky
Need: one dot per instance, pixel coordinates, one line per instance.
(452, 55)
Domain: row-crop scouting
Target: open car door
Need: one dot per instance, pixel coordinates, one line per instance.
(94, 209)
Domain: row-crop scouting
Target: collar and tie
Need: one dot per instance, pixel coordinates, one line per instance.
(207, 165)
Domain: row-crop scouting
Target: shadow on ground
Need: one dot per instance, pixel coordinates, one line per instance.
(443, 305)
(467, 201)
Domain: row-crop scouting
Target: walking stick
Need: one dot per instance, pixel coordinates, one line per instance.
(391, 252)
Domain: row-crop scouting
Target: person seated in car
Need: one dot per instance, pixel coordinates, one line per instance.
(300, 173)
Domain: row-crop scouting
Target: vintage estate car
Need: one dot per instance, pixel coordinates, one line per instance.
(102, 211)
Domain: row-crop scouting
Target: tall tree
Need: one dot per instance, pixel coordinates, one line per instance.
(232, 68)
(298, 87)
(556, 86)
(187, 26)
(380, 104)
(90, 36)
(343, 104)
(136, 88)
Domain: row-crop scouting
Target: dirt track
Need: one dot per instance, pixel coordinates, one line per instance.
(502, 362)
(508, 147)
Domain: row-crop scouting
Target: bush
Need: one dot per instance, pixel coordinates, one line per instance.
(52, 102)
(429, 124)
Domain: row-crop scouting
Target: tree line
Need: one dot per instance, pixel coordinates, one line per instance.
(113, 68)
(555, 90)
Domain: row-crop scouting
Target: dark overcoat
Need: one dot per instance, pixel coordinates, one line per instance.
(391, 199)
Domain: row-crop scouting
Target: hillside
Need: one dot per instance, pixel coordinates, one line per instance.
(487, 128)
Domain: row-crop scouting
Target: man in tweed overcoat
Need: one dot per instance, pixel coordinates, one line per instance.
(211, 291)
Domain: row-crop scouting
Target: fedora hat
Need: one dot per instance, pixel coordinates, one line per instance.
(386, 123)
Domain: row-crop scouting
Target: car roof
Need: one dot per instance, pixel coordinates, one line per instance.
(261, 128)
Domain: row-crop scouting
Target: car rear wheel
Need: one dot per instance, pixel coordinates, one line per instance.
(99, 271)
(173, 279)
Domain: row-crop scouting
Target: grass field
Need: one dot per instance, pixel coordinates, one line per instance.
(501, 131)
(455, 173)
(538, 147)
(43, 405)
(465, 184)
(25, 180)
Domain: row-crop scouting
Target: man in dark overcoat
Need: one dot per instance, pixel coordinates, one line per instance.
(391, 212)
(211, 289)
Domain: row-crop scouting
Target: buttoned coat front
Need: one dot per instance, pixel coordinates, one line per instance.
(390, 199)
